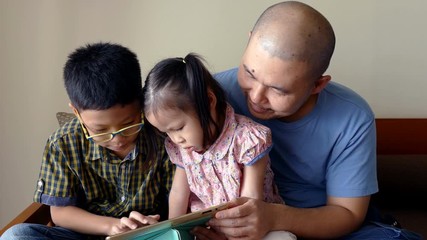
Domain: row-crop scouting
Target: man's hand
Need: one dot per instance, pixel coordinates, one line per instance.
(245, 219)
(135, 220)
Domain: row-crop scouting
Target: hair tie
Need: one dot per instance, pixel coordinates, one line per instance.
(183, 60)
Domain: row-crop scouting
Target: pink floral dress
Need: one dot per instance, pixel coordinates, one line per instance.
(215, 176)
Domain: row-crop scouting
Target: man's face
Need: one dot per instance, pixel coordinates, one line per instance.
(111, 120)
(274, 88)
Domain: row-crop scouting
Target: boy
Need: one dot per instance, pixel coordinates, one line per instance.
(100, 173)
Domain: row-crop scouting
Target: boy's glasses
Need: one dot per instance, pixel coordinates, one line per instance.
(105, 137)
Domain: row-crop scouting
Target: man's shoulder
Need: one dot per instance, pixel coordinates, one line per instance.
(227, 77)
(347, 98)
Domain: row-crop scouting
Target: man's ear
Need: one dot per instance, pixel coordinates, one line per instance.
(320, 84)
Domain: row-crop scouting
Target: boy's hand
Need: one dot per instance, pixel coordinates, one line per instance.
(135, 220)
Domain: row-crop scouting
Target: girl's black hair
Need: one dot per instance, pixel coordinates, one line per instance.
(184, 83)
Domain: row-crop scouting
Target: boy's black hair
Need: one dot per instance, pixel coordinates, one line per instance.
(184, 83)
(101, 75)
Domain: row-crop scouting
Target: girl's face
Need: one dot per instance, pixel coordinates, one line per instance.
(182, 128)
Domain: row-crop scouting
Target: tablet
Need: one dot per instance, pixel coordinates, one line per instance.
(187, 221)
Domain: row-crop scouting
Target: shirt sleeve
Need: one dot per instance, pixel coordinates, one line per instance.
(174, 152)
(253, 141)
(56, 184)
(352, 172)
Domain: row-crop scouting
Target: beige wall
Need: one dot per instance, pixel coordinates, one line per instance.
(381, 49)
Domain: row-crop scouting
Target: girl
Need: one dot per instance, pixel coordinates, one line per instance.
(220, 155)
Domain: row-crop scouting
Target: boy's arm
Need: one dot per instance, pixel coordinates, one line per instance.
(179, 195)
(253, 179)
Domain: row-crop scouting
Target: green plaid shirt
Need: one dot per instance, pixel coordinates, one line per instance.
(78, 172)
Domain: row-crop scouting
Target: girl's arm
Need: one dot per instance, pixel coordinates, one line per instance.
(179, 194)
(253, 179)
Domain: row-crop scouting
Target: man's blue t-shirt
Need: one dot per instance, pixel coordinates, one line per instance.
(329, 152)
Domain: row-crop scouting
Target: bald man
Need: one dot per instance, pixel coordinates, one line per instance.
(324, 156)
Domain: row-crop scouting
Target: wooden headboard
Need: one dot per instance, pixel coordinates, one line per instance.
(401, 136)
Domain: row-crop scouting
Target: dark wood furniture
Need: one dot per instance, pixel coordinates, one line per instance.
(402, 171)
(34, 213)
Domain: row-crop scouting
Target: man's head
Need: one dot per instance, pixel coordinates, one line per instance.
(103, 82)
(281, 72)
